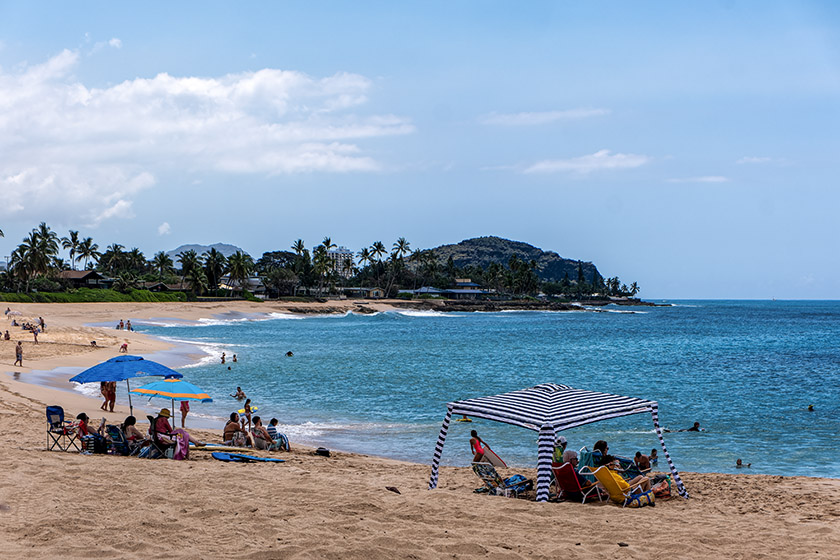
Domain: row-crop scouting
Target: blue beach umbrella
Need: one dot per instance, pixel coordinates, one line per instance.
(124, 368)
(175, 389)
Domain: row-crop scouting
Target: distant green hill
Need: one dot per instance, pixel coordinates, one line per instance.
(481, 251)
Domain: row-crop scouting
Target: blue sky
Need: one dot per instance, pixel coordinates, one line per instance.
(691, 148)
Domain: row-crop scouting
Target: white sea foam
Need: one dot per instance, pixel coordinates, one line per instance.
(276, 315)
(87, 389)
(416, 313)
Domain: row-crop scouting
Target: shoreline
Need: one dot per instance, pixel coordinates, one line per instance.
(55, 503)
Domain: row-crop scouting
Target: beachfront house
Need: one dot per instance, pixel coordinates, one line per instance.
(464, 288)
(84, 279)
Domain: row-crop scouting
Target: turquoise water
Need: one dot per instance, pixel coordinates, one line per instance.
(745, 370)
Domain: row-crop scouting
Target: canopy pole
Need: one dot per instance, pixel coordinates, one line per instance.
(654, 412)
(433, 479)
(544, 454)
(128, 390)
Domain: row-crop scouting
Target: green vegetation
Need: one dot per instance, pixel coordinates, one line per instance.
(87, 295)
(508, 269)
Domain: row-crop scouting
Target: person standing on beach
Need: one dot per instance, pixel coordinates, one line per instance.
(111, 395)
(476, 444)
(185, 409)
(35, 334)
(19, 354)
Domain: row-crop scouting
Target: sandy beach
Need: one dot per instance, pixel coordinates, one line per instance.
(55, 504)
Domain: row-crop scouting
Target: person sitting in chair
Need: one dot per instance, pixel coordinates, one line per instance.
(231, 428)
(165, 435)
(571, 456)
(262, 439)
(601, 457)
(615, 469)
(132, 435)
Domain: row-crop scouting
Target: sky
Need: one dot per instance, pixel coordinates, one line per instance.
(689, 147)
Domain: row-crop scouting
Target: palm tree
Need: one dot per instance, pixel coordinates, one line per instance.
(240, 266)
(328, 244)
(89, 250)
(321, 262)
(135, 260)
(162, 263)
(401, 247)
(112, 259)
(298, 247)
(215, 264)
(190, 264)
(72, 243)
(377, 250)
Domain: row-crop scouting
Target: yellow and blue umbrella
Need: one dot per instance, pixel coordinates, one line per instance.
(175, 389)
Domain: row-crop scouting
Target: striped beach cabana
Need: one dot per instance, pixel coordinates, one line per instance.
(548, 409)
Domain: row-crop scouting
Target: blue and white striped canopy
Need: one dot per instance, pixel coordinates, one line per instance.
(559, 406)
(549, 408)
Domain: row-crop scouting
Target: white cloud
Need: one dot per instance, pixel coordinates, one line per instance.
(72, 149)
(754, 159)
(703, 179)
(584, 165)
(116, 43)
(544, 117)
(164, 229)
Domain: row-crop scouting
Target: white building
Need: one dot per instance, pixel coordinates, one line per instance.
(342, 261)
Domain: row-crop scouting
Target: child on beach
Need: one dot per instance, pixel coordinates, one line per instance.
(654, 458)
(281, 441)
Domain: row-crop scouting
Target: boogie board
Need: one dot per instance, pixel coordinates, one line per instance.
(492, 458)
(241, 411)
(240, 458)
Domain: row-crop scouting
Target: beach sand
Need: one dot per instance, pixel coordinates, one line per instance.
(68, 505)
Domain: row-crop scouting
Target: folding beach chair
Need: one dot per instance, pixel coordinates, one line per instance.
(499, 486)
(569, 485)
(60, 433)
(117, 444)
(617, 495)
(158, 448)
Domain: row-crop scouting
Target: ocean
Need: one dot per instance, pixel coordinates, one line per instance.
(379, 384)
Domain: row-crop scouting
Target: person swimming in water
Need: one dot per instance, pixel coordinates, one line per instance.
(289, 354)
(740, 464)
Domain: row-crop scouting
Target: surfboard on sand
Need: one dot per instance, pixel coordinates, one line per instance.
(240, 458)
(491, 457)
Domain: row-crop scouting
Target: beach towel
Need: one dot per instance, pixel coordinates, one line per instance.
(182, 445)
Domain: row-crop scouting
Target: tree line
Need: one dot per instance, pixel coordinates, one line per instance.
(36, 264)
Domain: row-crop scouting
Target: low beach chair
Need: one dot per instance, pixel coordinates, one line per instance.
(499, 486)
(569, 486)
(608, 481)
(60, 433)
(159, 446)
(117, 444)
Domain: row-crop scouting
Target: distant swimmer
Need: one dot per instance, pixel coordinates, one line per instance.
(810, 408)
(695, 428)
(289, 354)
(463, 419)
(223, 358)
(739, 464)
(234, 358)
(239, 394)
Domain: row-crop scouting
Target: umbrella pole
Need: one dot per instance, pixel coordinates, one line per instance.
(128, 390)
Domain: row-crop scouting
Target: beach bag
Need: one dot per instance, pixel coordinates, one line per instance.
(641, 500)
(663, 489)
(519, 483)
(240, 439)
(323, 451)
